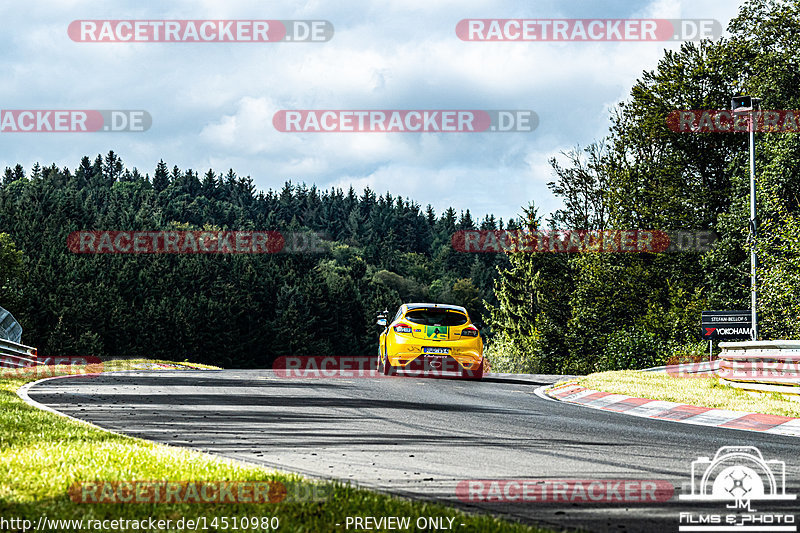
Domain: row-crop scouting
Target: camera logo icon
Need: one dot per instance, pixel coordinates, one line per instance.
(738, 473)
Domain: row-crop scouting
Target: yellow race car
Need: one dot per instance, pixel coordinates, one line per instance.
(430, 339)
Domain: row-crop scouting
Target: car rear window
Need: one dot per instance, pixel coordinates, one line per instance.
(436, 317)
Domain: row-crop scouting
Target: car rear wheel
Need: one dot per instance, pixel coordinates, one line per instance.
(388, 368)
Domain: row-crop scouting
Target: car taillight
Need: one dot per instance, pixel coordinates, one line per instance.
(469, 332)
(402, 328)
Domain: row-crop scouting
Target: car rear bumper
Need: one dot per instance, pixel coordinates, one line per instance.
(408, 353)
(435, 363)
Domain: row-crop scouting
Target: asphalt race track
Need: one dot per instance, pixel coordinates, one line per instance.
(419, 437)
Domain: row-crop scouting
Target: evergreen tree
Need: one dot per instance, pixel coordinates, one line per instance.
(161, 176)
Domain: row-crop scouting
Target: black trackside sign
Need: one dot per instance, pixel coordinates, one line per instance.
(726, 325)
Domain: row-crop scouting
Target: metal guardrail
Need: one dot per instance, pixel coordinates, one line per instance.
(13, 354)
(761, 366)
(9, 327)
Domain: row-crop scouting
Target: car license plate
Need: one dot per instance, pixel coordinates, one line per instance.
(435, 350)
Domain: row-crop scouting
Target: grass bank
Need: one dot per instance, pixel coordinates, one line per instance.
(701, 391)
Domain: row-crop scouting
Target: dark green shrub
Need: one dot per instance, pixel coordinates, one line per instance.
(631, 349)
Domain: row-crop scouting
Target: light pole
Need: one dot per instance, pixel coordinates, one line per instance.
(748, 104)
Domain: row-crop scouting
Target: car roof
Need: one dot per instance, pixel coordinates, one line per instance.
(409, 307)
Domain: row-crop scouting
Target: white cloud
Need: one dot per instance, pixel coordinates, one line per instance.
(212, 104)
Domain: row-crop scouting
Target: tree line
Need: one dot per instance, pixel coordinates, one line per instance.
(597, 311)
(231, 309)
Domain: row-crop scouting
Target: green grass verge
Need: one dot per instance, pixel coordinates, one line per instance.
(42, 455)
(701, 391)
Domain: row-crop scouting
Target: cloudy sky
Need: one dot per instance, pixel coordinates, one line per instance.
(212, 103)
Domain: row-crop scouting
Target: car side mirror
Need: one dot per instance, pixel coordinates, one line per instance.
(382, 322)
